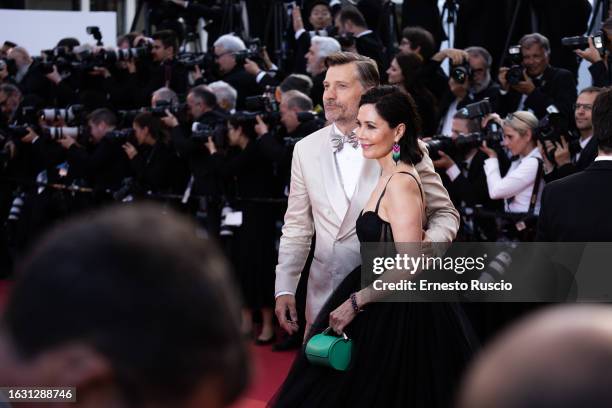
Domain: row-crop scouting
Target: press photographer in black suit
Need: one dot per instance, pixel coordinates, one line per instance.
(599, 69)
(233, 73)
(542, 86)
(566, 162)
(320, 18)
(577, 208)
(465, 179)
(352, 22)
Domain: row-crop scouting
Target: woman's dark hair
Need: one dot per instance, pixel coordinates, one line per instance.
(247, 124)
(151, 122)
(396, 107)
(411, 66)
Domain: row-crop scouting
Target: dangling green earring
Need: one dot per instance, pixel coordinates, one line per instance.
(396, 153)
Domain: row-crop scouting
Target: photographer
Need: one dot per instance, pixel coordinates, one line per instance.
(203, 109)
(152, 160)
(255, 258)
(320, 48)
(165, 70)
(465, 179)
(599, 69)
(540, 86)
(367, 43)
(101, 162)
(320, 18)
(164, 96)
(417, 40)
(231, 72)
(32, 80)
(226, 95)
(565, 160)
(518, 187)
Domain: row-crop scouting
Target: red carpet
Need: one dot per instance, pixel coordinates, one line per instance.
(269, 368)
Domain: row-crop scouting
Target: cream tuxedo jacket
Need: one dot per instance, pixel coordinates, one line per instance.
(315, 197)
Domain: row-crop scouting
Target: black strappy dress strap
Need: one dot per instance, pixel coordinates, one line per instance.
(385, 189)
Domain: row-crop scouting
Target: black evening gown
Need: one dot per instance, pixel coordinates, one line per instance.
(404, 354)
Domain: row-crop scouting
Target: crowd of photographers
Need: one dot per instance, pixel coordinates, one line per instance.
(211, 134)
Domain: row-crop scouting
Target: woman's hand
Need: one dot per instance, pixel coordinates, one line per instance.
(130, 150)
(488, 151)
(342, 317)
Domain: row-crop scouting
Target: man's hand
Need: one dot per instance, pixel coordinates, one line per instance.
(66, 142)
(197, 73)
(286, 303)
(501, 78)
(590, 54)
(130, 150)
(457, 57)
(526, 86)
(251, 67)
(170, 120)
(30, 137)
(548, 165)
(54, 76)
(444, 162)
(260, 128)
(298, 24)
(562, 153)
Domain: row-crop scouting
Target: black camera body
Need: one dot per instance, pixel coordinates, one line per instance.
(346, 40)
(476, 110)
(122, 136)
(516, 70)
(551, 127)
(462, 73)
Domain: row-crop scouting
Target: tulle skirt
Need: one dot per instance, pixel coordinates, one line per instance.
(404, 355)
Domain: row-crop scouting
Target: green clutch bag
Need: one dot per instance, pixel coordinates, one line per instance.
(328, 350)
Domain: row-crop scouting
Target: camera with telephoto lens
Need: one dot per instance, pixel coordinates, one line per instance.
(516, 70)
(55, 133)
(462, 72)
(600, 41)
(551, 127)
(71, 114)
(476, 110)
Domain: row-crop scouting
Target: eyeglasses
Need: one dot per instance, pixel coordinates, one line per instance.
(217, 56)
(585, 106)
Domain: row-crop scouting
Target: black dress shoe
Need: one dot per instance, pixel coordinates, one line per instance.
(265, 342)
(292, 342)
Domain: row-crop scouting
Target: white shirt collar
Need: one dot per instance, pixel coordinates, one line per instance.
(362, 33)
(585, 141)
(336, 129)
(604, 158)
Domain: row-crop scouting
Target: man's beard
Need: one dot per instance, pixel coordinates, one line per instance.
(477, 88)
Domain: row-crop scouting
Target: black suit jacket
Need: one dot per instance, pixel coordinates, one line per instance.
(577, 208)
(587, 156)
(371, 46)
(244, 83)
(557, 87)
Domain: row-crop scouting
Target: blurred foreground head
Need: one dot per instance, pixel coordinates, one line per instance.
(561, 357)
(132, 309)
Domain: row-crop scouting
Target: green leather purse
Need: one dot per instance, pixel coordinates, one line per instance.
(328, 350)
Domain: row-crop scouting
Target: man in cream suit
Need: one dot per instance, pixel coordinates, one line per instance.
(330, 184)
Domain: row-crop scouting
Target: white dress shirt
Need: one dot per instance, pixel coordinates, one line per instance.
(448, 119)
(350, 160)
(583, 143)
(517, 184)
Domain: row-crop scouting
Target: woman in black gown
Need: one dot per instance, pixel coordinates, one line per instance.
(404, 354)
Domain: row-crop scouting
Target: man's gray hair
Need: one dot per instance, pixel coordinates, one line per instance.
(325, 45)
(167, 94)
(10, 90)
(224, 93)
(297, 99)
(482, 53)
(529, 40)
(230, 43)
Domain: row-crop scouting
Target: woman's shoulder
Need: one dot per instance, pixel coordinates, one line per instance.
(404, 182)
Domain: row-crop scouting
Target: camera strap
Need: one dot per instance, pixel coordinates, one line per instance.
(522, 223)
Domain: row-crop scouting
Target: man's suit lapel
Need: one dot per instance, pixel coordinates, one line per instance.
(331, 180)
(370, 173)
